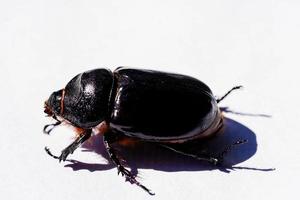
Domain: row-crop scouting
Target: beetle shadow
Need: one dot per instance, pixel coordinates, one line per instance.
(150, 156)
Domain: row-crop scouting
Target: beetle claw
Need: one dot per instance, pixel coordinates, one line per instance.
(214, 161)
(64, 154)
(49, 153)
(229, 148)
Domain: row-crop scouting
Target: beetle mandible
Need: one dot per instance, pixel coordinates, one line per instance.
(145, 105)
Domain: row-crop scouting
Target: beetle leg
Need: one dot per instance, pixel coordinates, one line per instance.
(203, 157)
(215, 160)
(229, 148)
(74, 145)
(223, 97)
(49, 127)
(121, 169)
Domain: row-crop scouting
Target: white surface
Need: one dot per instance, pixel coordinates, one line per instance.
(224, 43)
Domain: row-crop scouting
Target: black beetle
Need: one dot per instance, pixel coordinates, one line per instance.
(143, 105)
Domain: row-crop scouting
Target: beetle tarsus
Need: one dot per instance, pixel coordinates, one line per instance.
(49, 153)
(223, 97)
(72, 147)
(121, 169)
(64, 154)
(49, 127)
(52, 155)
(229, 148)
(206, 158)
(214, 161)
(202, 157)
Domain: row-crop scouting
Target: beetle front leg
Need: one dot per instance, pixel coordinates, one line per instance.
(49, 127)
(72, 147)
(121, 169)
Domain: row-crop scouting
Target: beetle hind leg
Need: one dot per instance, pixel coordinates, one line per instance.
(223, 97)
(205, 156)
(229, 148)
(202, 156)
(121, 169)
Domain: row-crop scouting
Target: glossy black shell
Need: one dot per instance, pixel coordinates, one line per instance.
(144, 104)
(160, 106)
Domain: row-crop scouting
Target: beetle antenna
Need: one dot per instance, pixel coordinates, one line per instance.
(223, 97)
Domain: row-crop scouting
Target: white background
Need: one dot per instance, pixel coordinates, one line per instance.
(43, 44)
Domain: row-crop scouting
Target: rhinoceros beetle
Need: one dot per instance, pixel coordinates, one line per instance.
(142, 105)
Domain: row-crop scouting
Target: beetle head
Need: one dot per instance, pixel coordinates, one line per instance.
(53, 106)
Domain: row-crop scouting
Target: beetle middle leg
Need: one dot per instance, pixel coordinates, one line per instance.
(107, 140)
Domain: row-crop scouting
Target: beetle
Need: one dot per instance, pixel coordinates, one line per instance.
(142, 105)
